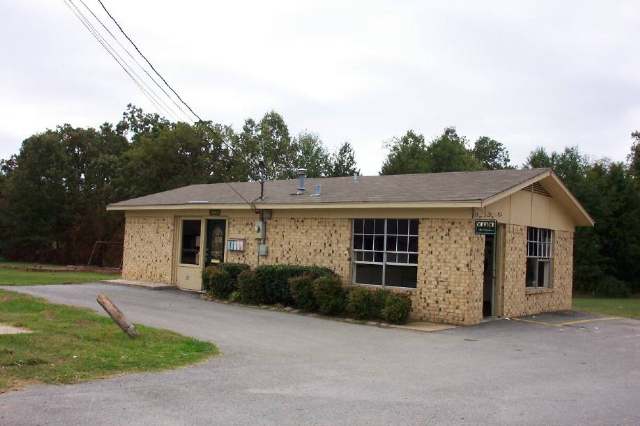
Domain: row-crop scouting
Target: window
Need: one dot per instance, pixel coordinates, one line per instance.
(539, 256)
(190, 249)
(385, 252)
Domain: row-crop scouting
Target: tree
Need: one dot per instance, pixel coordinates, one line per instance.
(407, 154)
(57, 191)
(634, 156)
(343, 162)
(6, 168)
(446, 153)
(267, 141)
(136, 123)
(492, 154)
(37, 212)
(539, 158)
(312, 155)
(173, 157)
(449, 153)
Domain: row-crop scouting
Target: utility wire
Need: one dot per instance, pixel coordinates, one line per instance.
(158, 98)
(147, 60)
(138, 63)
(149, 93)
(94, 32)
(155, 70)
(114, 54)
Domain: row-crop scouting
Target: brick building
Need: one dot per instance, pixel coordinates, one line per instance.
(463, 245)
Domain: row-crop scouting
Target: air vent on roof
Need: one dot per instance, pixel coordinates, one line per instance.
(537, 188)
(302, 174)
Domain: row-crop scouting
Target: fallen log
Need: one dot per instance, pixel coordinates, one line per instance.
(117, 316)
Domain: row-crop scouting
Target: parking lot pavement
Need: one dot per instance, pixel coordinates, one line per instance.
(565, 318)
(279, 368)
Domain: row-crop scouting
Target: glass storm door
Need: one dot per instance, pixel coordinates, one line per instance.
(189, 262)
(214, 252)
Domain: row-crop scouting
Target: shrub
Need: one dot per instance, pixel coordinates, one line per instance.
(363, 303)
(612, 287)
(218, 282)
(234, 296)
(301, 289)
(275, 280)
(396, 308)
(234, 269)
(221, 280)
(329, 295)
(250, 289)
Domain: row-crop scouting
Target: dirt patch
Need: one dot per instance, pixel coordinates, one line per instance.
(9, 329)
(49, 315)
(17, 384)
(6, 298)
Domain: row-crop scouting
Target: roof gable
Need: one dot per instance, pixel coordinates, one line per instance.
(552, 184)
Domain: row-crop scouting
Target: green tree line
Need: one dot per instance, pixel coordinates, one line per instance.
(53, 193)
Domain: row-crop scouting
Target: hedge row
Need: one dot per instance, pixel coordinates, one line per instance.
(309, 288)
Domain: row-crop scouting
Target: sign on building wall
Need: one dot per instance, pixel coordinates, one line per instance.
(235, 244)
(486, 226)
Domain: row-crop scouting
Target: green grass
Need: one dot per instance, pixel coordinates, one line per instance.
(629, 308)
(70, 345)
(11, 276)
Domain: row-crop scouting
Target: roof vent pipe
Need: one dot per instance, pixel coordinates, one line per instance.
(302, 174)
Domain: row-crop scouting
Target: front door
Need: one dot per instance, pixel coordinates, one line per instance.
(215, 232)
(488, 288)
(189, 262)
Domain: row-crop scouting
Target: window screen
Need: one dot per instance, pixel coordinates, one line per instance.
(385, 251)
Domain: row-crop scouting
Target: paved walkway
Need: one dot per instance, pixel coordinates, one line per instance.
(279, 368)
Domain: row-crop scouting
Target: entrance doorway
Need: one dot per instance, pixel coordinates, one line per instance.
(189, 255)
(215, 241)
(201, 244)
(489, 282)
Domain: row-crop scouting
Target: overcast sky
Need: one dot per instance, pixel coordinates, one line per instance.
(553, 73)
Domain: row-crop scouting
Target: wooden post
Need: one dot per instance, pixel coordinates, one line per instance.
(117, 316)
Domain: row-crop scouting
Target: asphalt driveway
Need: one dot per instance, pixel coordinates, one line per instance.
(279, 368)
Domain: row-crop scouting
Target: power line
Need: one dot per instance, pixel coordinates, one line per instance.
(155, 70)
(104, 44)
(136, 62)
(109, 49)
(147, 60)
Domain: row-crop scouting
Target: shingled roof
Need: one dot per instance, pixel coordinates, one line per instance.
(452, 187)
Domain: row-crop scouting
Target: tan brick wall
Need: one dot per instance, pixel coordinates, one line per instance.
(297, 241)
(450, 261)
(518, 300)
(148, 248)
(243, 227)
(449, 273)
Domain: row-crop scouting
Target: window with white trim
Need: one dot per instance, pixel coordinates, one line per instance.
(539, 257)
(385, 252)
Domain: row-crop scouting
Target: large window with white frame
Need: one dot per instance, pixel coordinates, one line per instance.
(539, 257)
(385, 252)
